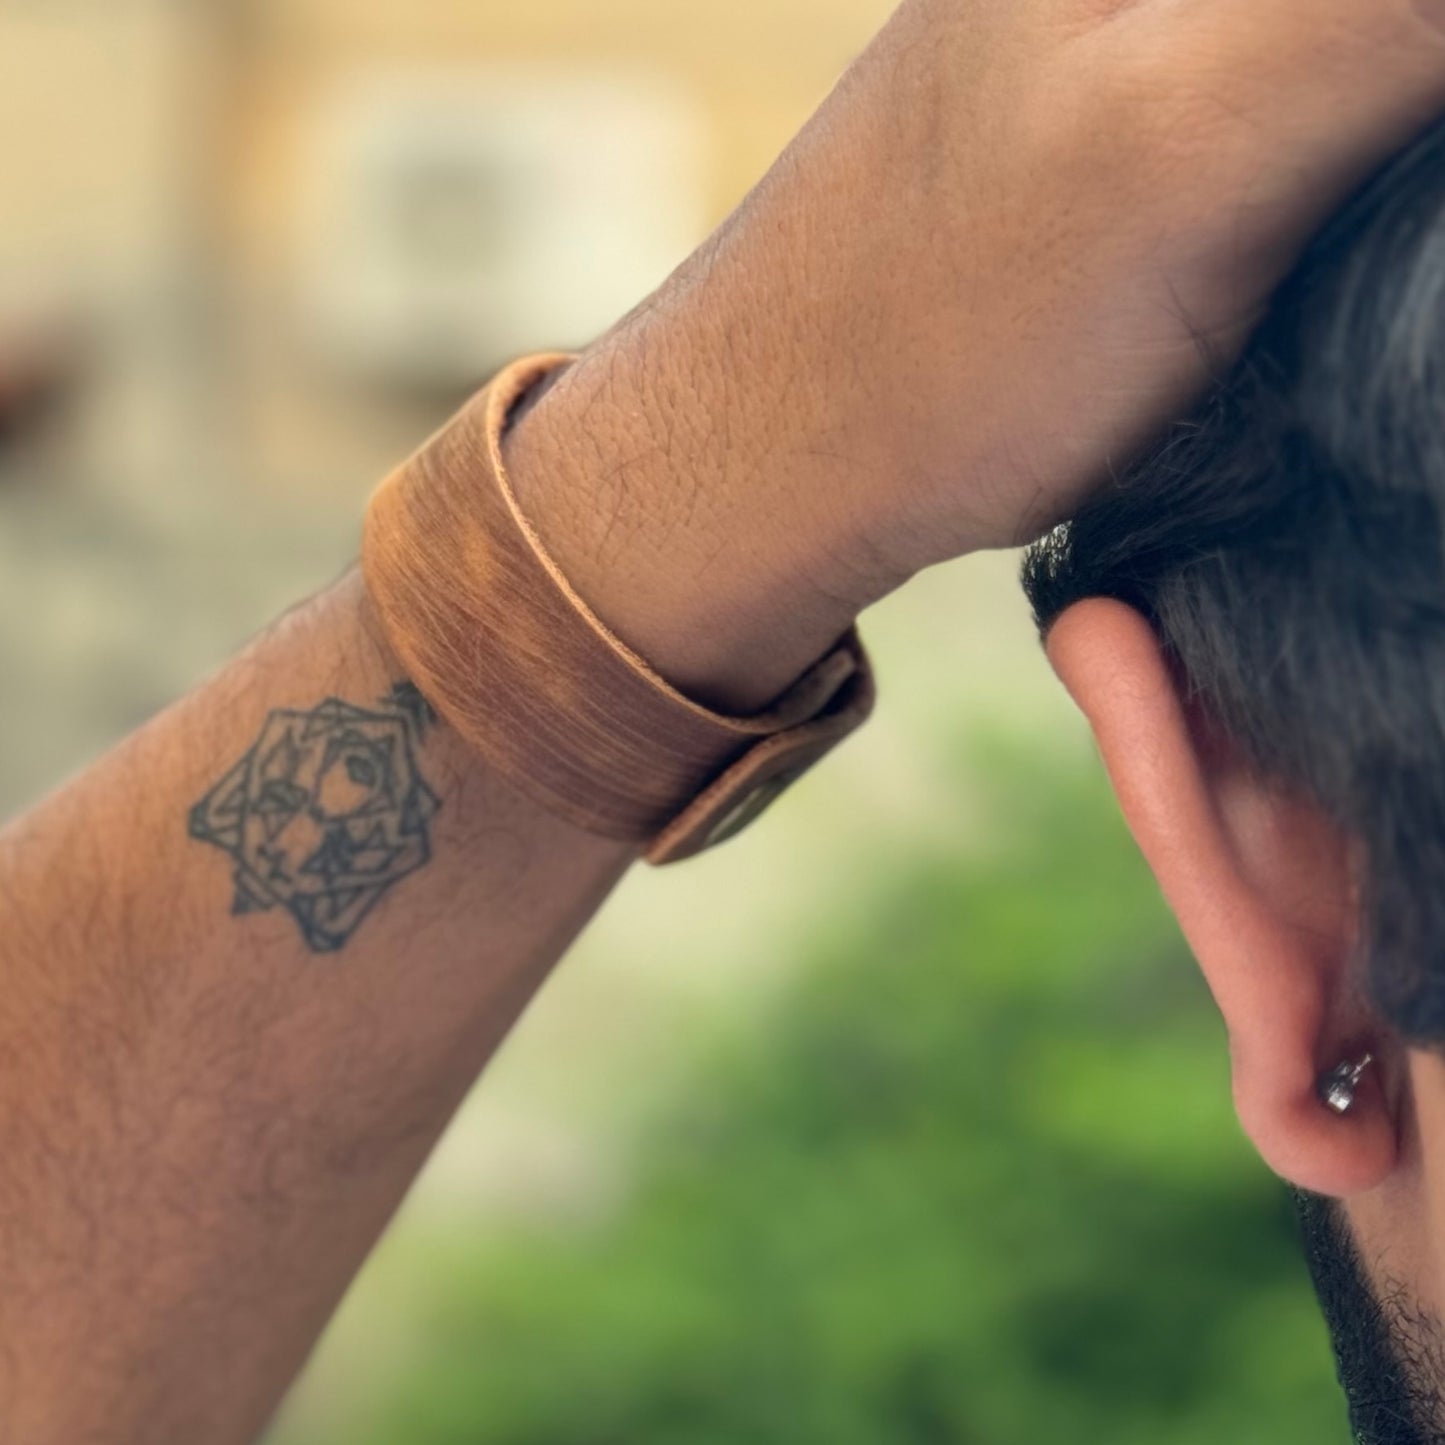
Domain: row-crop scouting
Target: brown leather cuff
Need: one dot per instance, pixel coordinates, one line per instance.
(501, 645)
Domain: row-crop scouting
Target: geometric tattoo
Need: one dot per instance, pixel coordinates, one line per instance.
(325, 813)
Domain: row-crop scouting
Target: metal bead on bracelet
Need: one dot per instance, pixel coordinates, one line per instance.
(1337, 1088)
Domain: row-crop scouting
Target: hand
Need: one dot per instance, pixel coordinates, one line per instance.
(972, 284)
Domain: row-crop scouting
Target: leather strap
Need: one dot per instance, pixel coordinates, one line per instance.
(512, 658)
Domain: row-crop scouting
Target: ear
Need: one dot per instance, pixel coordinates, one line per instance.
(1262, 887)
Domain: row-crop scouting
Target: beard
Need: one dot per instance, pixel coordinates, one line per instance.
(1389, 1351)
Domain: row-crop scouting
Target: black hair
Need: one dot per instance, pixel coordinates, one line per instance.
(1287, 542)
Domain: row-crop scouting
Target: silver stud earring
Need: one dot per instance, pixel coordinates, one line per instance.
(1337, 1088)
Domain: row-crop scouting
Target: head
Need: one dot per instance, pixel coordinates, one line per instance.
(1252, 619)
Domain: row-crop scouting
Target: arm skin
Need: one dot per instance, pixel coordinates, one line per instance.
(976, 278)
(207, 1119)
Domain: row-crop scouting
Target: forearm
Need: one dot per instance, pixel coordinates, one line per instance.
(208, 1116)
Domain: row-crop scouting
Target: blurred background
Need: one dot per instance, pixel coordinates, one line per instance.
(927, 1142)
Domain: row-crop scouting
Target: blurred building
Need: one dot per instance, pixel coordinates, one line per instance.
(269, 241)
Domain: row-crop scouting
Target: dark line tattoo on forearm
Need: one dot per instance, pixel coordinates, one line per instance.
(325, 813)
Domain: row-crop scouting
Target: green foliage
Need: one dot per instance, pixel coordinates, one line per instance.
(977, 1182)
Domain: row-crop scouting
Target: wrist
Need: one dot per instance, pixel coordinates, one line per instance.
(668, 501)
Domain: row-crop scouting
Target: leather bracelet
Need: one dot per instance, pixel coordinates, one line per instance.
(494, 637)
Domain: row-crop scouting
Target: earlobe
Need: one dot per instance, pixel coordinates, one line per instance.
(1260, 883)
